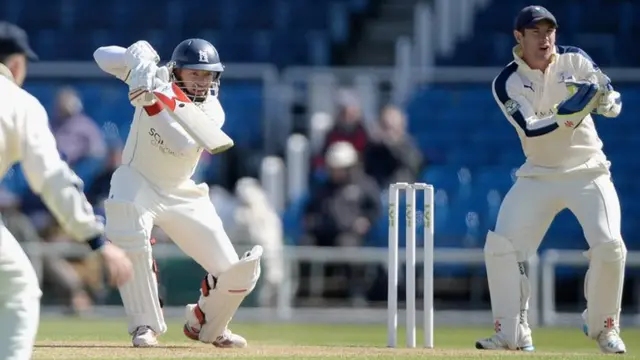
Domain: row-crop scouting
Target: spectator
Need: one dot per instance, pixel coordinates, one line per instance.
(392, 155)
(348, 126)
(341, 211)
(79, 138)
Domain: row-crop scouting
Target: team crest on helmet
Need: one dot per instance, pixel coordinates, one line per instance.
(202, 56)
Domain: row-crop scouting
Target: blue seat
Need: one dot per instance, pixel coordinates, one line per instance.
(308, 15)
(70, 30)
(292, 220)
(442, 177)
(11, 10)
(468, 157)
(564, 233)
(243, 105)
(464, 222)
(498, 178)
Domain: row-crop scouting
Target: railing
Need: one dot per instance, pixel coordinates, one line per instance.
(301, 75)
(285, 311)
(424, 39)
(438, 27)
(554, 258)
(403, 80)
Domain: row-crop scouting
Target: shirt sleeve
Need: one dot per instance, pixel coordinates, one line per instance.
(39, 153)
(585, 69)
(582, 63)
(50, 177)
(111, 60)
(518, 110)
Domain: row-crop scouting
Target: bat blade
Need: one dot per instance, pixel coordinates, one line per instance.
(194, 121)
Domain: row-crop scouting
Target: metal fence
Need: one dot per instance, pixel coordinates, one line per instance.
(541, 272)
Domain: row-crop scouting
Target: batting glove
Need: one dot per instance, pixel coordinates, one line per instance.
(138, 52)
(141, 81)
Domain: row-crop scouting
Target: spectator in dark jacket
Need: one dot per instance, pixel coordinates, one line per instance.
(392, 155)
(341, 211)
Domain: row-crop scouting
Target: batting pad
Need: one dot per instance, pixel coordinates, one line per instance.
(603, 286)
(127, 229)
(222, 298)
(508, 285)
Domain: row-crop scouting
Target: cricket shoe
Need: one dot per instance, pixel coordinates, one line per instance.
(144, 337)
(608, 340)
(193, 325)
(497, 341)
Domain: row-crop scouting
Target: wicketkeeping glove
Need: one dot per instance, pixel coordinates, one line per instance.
(584, 97)
(610, 103)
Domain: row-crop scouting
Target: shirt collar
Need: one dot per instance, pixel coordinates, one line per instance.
(4, 71)
(517, 56)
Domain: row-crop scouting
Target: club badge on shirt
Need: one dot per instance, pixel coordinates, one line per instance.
(512, 106)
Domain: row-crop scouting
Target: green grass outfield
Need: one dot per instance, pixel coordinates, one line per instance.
(106, 339)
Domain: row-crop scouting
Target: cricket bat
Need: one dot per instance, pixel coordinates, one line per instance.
(194, 121)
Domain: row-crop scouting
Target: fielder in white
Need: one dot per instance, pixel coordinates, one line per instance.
(25, 137)
(547, 93)
(153, 186)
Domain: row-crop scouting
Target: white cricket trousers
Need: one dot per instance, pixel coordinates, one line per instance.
(525, 216)
(185, 213)
(19, 300)
(532, 203)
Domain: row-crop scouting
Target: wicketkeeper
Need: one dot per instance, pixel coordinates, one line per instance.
(548, 94)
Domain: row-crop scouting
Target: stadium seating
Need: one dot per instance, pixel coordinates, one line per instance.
(605, 39)
(279, 31)
(303, 31)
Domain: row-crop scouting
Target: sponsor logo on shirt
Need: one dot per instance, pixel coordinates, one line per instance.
(542, 114)
(156, 140)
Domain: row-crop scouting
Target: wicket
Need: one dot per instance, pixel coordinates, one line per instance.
(392, 290)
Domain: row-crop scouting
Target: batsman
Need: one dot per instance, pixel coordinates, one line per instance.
(548, 94)
(153, 186)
